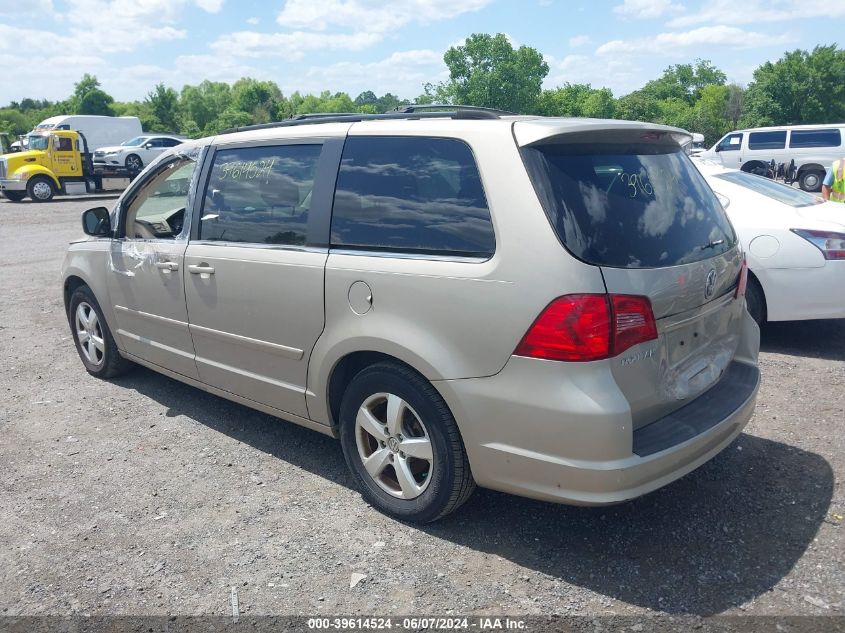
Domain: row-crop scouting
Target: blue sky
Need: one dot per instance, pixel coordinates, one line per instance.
(386, 46)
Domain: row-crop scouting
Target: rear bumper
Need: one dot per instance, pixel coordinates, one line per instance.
(548, 431)
(795, 294)
(12, 185)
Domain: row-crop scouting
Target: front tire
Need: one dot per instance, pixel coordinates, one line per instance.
(40, 189)
(93, 339)
(402, 445)
(134, 163)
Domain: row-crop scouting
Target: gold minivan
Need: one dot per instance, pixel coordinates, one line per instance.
(548, 307)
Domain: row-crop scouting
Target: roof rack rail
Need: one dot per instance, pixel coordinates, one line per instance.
(425, 107)
(426, 112)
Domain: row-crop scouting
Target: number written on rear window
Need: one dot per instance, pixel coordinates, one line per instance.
(260, 195)
(411, 194)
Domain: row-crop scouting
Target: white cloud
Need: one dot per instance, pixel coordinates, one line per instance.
(253, 21)
(620, 73)
(579, 40)
(371, 15)
(664, 43)
(645, 9)
(754, 11)
(402, 73)
(211, 6)
(289, 45)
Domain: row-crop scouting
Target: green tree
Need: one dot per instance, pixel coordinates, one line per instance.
(685, 81)
(801, 87)
(164, 103)
(487, 71)
(89, 98)
(261, 99)
(205, 102)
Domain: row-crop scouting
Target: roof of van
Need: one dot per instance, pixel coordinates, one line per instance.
(527, 129)
(777, 128)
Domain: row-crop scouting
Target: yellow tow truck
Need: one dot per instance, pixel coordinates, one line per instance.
(57, 162)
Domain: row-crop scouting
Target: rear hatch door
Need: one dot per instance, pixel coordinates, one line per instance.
(625, 197)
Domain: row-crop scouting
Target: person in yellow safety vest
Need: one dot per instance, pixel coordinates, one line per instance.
(833, 187)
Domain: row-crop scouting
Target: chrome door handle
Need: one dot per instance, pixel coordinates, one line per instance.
(200, 269)
(167, 266)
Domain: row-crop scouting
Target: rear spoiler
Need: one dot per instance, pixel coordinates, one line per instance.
(545, 130)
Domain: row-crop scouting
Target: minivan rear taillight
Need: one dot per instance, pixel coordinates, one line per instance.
(587, 327)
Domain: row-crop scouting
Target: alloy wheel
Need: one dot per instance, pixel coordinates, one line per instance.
(90, 334)
(394, 445)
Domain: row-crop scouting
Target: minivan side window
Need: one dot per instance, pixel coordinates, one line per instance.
(260, 195)
(731, 143)
(815, 138)
(413, 195)
(767, 140)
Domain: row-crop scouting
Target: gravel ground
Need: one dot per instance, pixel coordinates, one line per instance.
(146, 496)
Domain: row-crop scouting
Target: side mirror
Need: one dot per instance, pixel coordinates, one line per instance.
(718, 148)
(148, 146)
(96, 222)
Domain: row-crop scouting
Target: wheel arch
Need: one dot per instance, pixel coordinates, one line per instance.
(810, 167)
(36, 171)
(755, 279)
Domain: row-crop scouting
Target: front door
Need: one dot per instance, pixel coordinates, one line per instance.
(146, 269)
(63, 157)
(730, 150)
(254, 282)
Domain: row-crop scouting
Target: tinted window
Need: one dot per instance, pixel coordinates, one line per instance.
(775, 190)
(411, 194)
(260, 195)
(171, 142)
(64, 144)
(815, 138)
(767, 140)
(731, 143)
(629, 206)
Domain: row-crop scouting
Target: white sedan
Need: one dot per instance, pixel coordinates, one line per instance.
(794, 242)
(135, 153)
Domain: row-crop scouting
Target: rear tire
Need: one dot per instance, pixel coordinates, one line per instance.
(40, 189)
(811, 181)
(14, 196)
(416, 466)
(755, 301)
(92, 336)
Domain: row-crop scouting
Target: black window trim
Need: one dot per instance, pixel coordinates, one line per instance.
(414, 253)
(319, 216)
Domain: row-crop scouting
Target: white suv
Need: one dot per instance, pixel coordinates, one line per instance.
(135, 153)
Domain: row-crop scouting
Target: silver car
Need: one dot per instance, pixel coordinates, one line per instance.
(548, 307)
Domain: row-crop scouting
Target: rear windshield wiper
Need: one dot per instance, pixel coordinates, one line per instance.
(712, 244)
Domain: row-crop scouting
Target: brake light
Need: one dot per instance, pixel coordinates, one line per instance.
(832, 245)
(588, 327)
(743, 279)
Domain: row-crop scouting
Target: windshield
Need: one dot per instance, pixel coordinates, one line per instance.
(45, 126)
(138, 140)
(629, 205)
(38, 141)
(771, 189)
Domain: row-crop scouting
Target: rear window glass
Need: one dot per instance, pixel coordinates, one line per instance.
(815, 138)
(775, 190)
(767, 140)
(629, 206)
(411, 194)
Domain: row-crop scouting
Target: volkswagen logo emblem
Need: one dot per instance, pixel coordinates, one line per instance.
(710, 284)
(393, 444)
